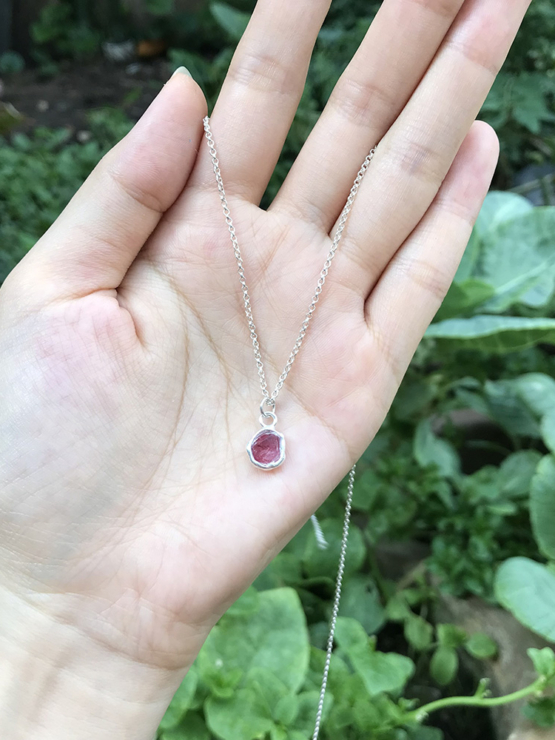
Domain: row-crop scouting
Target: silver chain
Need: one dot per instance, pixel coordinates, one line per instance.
(270, 399)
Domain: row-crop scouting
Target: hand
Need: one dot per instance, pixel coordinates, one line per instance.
(130, 515)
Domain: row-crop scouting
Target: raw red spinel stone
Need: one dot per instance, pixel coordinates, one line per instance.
(266, 448)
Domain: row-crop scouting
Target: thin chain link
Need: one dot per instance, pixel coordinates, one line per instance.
(336, 600)
(270, 399)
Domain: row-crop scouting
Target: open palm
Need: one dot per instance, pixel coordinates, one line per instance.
(129, 509)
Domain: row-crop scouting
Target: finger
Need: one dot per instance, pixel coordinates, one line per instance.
(262, 91)
(99, 234)
(412, 288)
(397, 50)
(416, 153)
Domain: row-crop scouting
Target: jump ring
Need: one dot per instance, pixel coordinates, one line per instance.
(268, 415)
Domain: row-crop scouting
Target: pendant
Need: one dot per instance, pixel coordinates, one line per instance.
(267, 448)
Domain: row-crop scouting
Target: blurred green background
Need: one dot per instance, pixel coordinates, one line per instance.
(452, 550)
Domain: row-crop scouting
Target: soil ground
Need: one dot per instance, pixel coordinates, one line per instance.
(64, 100)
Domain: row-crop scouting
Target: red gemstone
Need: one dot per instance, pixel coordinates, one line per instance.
(266, 448)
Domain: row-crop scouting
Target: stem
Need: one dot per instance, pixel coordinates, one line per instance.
(474, 701)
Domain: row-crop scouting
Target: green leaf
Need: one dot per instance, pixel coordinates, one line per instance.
(418, 632)
(274, 638)
(196, 730)
(481, 646)
(444, 665)
(517, 471)
(181, 701)
(543, 661)
(509, 410)
(268, 685)
(380, 671)
(449, 635)
(286, 710)
(542, 506)
(463, 297)
(527, 590)
(537, 391)
(349, 633)
(548, 430)
(246, 604)
(233, 21)
(243, 717)
(323, 563)
(493, 333)
(361, 601)
(307, 708)
(498, 208)
(431, 450)
(541, 712)
(529, 241)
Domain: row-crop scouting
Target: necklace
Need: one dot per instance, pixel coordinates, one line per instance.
(266, 449)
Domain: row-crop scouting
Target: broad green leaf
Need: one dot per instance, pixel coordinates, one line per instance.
(318, 562)
(279, 733)
(541, 711)
(380, 671)
(544, 661)
(243, 717)
(307, 708)
(516, 473)
(529, 242)
(274, 638)
(233, 21)
(195, 730)
(481, 646)
(463, 297)
(542, 506)
(349, 633)
(537, 391)
(548, 430)
(444, 665)
(246, 604)
(508, 409)
(449, 635)
(361, 601)
(286, 709)
(418, 632)
(498, 207)
(493, 333)
(527, 590)
(432, 450)
(181, 701)
(284, 570)
(268, 685)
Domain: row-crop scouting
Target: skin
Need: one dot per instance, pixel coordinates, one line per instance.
(130, 515)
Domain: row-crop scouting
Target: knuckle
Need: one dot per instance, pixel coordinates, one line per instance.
(418, 159)
(143, 196)
(425, 275)
(262, 72)
(442, 8)
(361, 102)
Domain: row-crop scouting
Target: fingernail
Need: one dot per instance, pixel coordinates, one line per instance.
(182, 71)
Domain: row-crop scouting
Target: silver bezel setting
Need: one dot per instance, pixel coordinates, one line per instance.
(276, 463)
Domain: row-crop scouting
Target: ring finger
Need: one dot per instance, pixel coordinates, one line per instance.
(398, 48)
(416, 153)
